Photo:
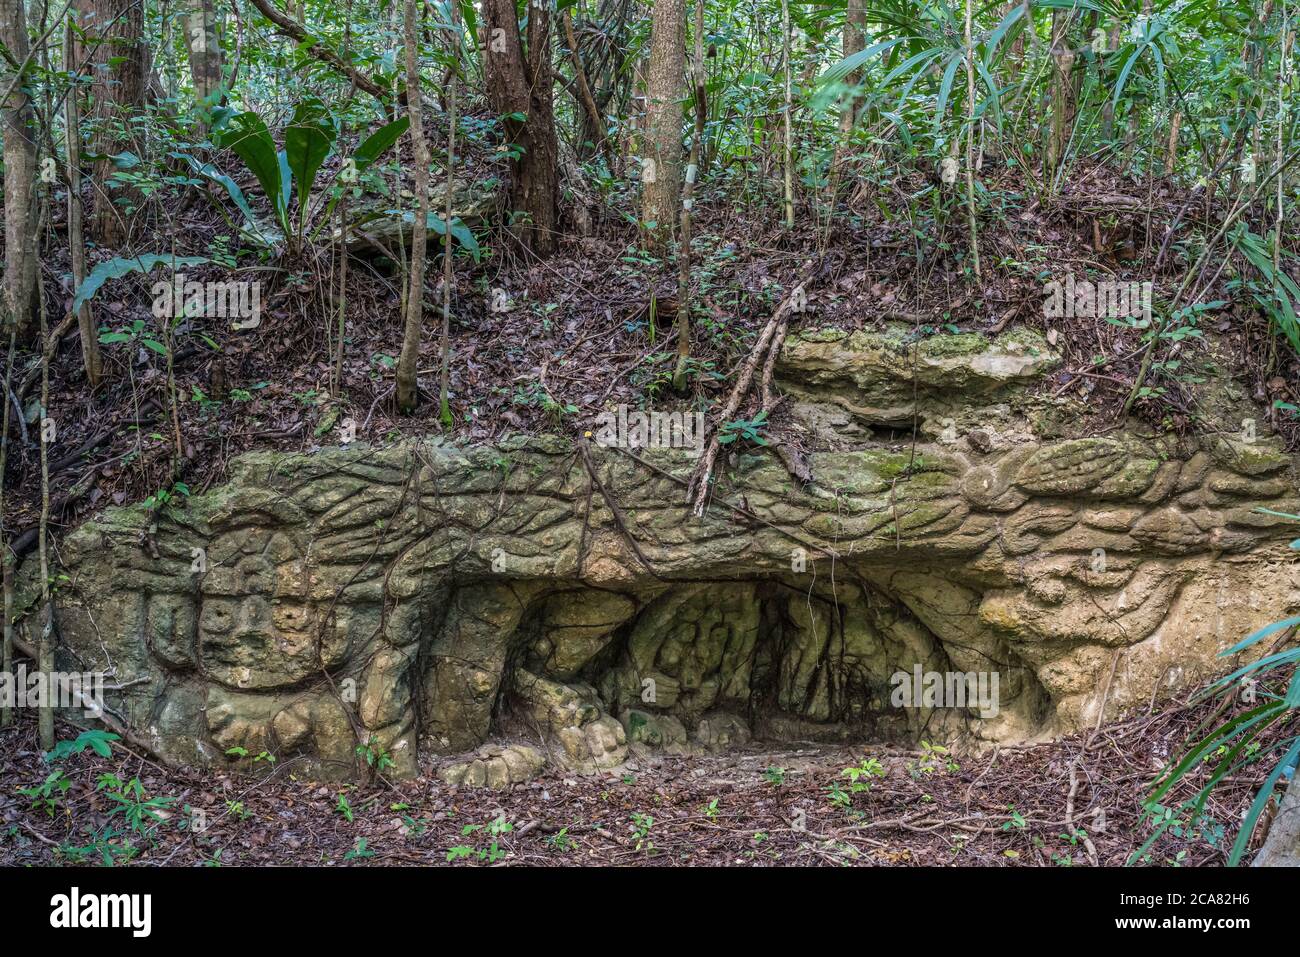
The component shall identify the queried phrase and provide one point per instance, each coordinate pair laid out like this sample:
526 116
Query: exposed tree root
766 351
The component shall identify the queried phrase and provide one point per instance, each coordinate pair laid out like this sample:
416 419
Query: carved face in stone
257 628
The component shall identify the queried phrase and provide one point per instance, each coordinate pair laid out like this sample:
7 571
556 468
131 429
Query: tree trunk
787 147
1130 143
407 394
1108 110
1171 149
114 53
1062 112
1283 85
855 41
17 121
76 232
665 87
45 642
444 348
592 123
521 84
6 554
970 142
203 40
683 321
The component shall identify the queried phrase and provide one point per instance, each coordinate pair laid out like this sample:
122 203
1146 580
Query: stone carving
496 767
424 597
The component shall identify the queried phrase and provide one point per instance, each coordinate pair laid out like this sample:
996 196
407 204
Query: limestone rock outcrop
424 597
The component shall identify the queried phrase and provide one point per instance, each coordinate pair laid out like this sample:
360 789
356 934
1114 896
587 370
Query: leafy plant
934 758
359 852
747 429
238 752
165 497
926 41
413 827
47 795
125 266
141 813
861 775
374 755
344 807
561 841
1280 295
1017 821
98 741
108 845
309 138
496 828
641 825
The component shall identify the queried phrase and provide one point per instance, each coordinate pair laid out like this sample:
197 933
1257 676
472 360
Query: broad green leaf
836 72
433 222
246 134
208 171
378 142
286 184
945 89
117 268
469 16
459 232
308 139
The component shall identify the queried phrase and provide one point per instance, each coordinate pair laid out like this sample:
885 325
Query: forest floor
590 328
1073 802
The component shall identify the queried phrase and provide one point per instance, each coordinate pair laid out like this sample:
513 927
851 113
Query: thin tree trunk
348 177
1062 65
116 56
787 147
444 375
407 393
662 171
1133 116
855 41
45 643
683 321
589 106
18 300
341 329
6 554
970 143
1018 46
203 40
1283 76
1108 109
1257 83
1171 149
76 233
